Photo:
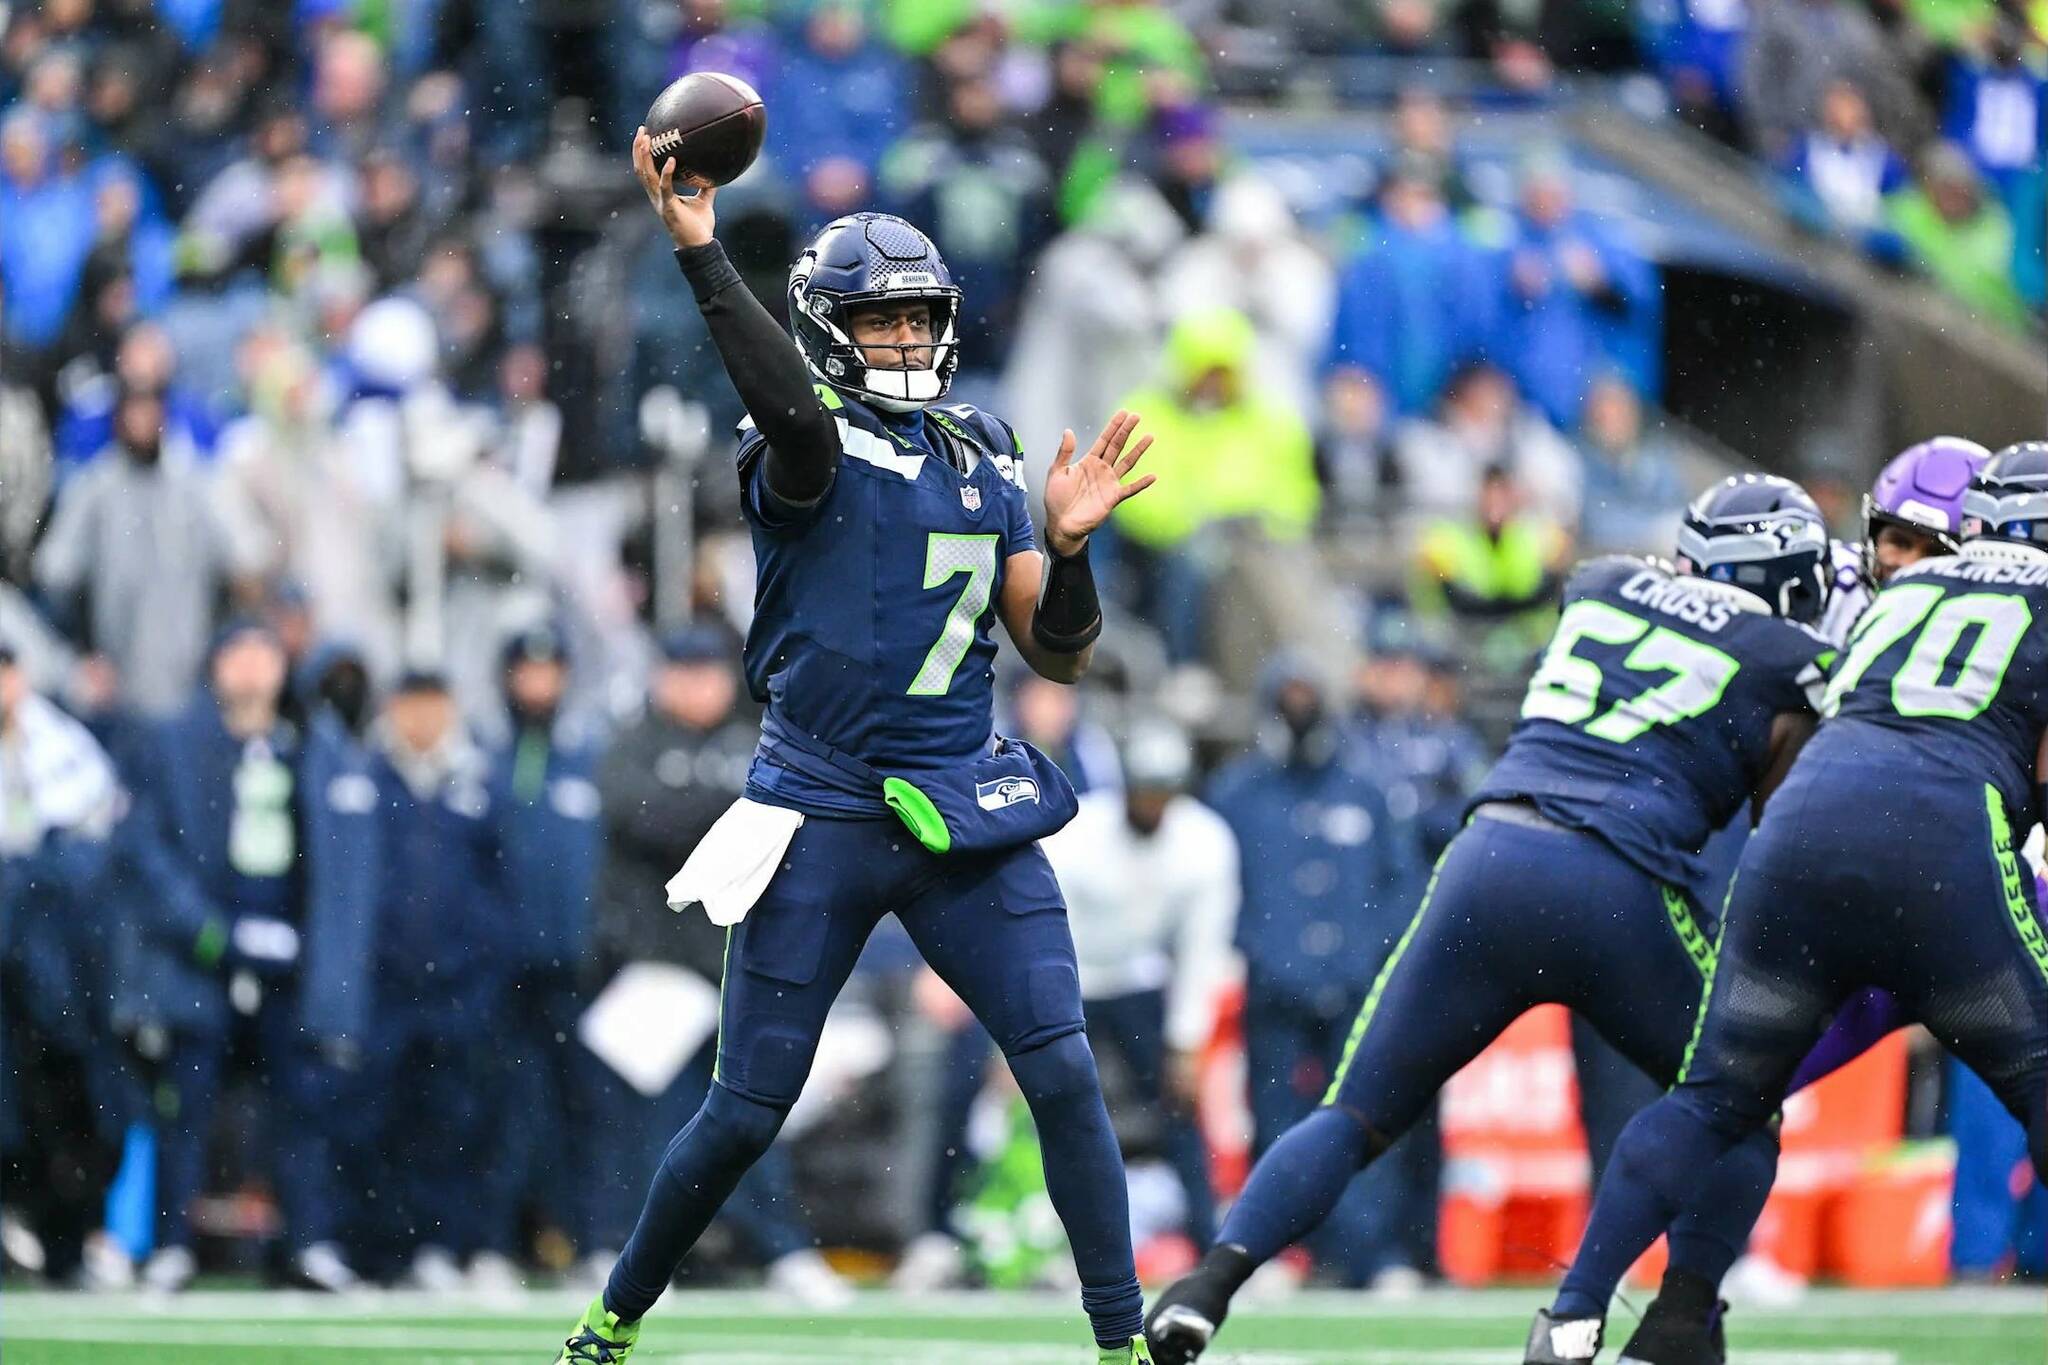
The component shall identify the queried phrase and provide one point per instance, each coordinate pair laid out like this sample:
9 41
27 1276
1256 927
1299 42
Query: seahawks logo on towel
1005 791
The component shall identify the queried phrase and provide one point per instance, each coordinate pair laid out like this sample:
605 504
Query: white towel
734 862
53 776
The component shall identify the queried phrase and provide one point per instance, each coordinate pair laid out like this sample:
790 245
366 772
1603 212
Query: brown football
711 123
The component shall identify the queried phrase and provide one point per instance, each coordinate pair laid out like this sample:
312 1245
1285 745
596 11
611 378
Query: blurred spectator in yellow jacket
1225 453
1496 574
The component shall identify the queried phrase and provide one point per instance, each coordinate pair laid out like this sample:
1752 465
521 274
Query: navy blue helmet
1762 534
867 258
2008 500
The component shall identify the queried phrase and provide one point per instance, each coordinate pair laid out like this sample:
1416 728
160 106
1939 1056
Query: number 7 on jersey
945 556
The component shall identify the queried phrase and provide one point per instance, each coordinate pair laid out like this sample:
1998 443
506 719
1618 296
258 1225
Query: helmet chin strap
913 388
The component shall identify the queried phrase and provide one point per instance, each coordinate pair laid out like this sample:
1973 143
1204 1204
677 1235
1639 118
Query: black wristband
707 270
1069 614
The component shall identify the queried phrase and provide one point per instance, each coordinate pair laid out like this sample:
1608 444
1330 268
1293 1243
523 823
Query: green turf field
1957 1327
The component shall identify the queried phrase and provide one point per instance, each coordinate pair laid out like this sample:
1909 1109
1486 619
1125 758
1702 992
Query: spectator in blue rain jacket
1995 107
1840 172
248 857
1441 760
443 953
545 797
1573 300
1329 858
849 97
1413 303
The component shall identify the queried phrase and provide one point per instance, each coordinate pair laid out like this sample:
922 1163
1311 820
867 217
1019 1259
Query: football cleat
1186 1317
600 1338
1667 1336
1133 1354
1562 1341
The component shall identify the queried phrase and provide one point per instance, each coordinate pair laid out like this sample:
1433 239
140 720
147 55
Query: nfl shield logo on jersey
970 498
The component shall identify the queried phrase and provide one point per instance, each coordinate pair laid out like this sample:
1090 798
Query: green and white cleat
600 1338
1137 1353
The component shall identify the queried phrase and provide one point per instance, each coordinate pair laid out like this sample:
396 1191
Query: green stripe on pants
2012 875
1699 1021
1691 937
724 969
1379 983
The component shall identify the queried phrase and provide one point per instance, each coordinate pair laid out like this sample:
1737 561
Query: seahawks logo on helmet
2008 500
870 258
1762 534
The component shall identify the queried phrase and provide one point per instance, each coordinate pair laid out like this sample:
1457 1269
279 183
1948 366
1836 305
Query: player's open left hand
1081 493
688 218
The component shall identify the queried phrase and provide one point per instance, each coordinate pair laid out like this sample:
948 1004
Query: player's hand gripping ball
711 124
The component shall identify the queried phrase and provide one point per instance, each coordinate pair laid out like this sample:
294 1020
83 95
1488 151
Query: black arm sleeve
770 375
1069 615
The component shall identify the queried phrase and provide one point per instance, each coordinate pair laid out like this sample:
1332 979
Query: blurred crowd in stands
352 710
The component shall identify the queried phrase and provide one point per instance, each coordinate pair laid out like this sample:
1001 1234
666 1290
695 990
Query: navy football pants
626 1133
1859 878
995 929
1860 875
1516 915
1386 1217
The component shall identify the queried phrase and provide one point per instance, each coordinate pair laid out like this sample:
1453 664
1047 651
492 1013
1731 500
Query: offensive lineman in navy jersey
1912 512
1664 703
890 533
1888 859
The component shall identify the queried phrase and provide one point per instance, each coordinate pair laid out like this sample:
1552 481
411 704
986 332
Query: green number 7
1567 688
944 556
1699 676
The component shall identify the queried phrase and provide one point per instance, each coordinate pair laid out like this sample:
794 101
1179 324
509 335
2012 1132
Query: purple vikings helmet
1922 489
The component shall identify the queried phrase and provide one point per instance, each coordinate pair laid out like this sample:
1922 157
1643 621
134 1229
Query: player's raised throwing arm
1049 604
766 367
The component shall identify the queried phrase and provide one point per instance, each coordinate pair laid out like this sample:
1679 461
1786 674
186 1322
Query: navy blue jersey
873 609
1648 722
1949 668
